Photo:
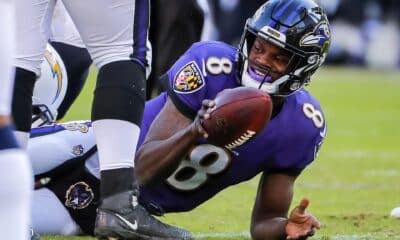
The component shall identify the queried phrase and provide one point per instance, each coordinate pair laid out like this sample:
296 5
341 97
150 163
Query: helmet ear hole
50 88
295 85
313 59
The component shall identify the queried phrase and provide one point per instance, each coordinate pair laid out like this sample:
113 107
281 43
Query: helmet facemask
42 115
268 83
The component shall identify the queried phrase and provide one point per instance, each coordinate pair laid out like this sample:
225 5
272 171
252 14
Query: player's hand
301 224
202 115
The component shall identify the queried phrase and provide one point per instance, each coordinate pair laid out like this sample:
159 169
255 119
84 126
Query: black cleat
121 217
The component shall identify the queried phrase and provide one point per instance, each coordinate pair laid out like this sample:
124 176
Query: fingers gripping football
235 116
202 115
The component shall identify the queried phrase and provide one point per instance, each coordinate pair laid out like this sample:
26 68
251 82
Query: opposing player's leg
67 42
15 172
121 51
32 31
15 185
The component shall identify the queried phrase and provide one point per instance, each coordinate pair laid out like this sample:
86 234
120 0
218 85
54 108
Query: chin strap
265 78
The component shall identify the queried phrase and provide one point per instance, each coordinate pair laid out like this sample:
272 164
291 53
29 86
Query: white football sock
116 143
15 194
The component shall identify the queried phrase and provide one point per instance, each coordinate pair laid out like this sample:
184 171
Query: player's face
267 61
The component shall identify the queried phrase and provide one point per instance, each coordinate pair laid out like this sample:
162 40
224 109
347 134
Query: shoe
34 235
121 217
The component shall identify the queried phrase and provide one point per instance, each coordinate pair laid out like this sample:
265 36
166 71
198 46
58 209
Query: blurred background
365 32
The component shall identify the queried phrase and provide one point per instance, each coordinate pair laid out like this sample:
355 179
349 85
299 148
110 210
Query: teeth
259 72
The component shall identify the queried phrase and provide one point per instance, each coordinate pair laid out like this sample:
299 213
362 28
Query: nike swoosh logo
133 226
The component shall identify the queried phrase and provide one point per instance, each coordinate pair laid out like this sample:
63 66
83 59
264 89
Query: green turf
353 184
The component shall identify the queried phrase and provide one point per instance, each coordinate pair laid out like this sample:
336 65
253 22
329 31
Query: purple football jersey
287 145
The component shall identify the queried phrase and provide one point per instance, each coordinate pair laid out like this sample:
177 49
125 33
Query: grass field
354 183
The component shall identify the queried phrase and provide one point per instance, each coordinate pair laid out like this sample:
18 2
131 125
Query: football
238 115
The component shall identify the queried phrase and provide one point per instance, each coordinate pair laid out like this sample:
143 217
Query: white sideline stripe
233 235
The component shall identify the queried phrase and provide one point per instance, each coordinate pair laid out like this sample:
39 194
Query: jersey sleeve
301 139
200 73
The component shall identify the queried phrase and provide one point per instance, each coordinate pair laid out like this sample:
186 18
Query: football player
66 52
282 46
116 36
15 171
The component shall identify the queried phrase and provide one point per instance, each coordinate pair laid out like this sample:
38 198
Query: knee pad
22 99
120 92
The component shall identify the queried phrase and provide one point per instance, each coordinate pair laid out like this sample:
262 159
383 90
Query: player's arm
170 137
269 217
